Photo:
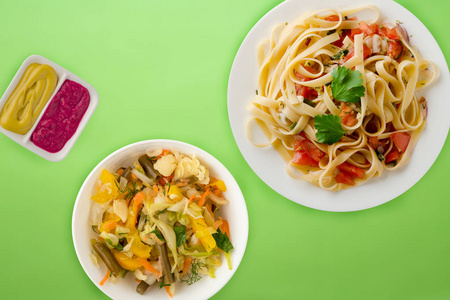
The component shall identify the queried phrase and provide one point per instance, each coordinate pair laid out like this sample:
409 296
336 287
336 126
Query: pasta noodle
301 67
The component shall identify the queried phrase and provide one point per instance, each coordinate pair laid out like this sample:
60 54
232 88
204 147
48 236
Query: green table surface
161 69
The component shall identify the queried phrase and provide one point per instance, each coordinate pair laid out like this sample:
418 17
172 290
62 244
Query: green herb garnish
118 246
347 85
162 283
293 126
158 235
130 192
340 54
95 229
180 232
222 241
193 276
329 129
309 102
161 212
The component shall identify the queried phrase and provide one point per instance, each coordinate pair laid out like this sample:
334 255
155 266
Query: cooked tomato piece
302 143
302 158
309 148
348 115
353 171
333 18
392 156
310 70
349 119
344 178
304 78
306 92
401 140
368 29
390 33
339 43
374 142
354 32
366 53
395 49
301 77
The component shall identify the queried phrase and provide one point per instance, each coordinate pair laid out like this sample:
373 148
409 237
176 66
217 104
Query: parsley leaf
180 232
329 129
222 241
347 85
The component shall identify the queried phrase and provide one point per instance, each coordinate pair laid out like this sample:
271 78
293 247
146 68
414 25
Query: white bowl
63 74
235 212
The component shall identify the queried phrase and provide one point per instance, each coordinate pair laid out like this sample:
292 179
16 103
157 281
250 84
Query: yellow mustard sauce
26 102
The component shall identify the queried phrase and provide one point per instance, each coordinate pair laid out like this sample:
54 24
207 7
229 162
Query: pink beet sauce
62 117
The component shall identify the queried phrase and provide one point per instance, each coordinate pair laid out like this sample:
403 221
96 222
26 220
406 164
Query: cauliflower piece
166 164
190 166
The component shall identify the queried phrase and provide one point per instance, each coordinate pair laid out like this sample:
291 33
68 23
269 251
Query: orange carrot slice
105 278
148 266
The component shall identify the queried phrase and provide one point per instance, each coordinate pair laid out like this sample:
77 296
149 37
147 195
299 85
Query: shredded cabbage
164 222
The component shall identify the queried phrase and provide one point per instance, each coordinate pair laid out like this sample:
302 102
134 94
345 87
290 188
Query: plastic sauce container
63 117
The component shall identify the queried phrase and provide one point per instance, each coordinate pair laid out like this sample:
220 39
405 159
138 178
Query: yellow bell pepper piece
125 262
175 190
139 248
134 207
220 185
203 233
109 223
108 190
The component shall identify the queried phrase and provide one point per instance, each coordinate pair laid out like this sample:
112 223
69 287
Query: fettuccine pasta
338 97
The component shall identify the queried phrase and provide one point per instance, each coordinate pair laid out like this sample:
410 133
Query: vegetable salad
159 220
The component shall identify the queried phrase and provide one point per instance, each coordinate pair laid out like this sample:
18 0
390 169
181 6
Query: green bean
162 249
107 257
147 165
126 173
142 287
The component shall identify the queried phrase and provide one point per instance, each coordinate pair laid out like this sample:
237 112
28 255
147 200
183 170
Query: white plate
268 164
63 74
235 212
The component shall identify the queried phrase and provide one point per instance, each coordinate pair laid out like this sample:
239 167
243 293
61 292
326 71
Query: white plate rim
270 167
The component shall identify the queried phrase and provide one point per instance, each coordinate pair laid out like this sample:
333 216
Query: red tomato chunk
351 170
392 156
395 49
345 179
302 158
401 140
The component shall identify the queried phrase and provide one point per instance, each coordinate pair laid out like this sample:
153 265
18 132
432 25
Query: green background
161 69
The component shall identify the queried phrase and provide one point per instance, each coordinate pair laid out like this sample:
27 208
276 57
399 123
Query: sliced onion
402 31
142 177
217 200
